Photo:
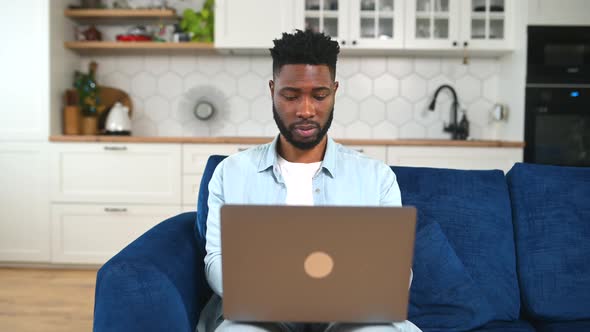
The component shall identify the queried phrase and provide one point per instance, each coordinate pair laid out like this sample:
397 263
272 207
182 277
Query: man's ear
336 84
271 85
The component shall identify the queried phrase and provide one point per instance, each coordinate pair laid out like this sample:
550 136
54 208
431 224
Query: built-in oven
557 124
558 54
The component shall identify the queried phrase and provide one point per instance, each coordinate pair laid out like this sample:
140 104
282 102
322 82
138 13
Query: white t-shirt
298 179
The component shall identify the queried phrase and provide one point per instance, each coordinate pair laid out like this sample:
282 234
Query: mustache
304 123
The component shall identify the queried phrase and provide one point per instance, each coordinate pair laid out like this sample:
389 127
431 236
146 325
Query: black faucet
458 130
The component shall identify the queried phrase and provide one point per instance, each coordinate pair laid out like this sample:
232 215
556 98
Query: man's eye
321 97
290 98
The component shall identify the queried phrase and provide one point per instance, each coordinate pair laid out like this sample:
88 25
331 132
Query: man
302 166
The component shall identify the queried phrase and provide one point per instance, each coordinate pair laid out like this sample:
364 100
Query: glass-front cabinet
432 24
488 23
356 23
450 24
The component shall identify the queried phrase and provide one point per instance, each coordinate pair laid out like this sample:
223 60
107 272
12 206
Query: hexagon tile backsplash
379 97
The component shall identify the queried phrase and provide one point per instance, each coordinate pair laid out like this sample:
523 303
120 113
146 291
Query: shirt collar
269 157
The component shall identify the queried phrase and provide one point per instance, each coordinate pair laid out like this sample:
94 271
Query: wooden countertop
262 140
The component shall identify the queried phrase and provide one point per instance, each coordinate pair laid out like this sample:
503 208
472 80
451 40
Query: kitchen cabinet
457 24
93 233
24 101
251 23
194 160
454 157
106 195
24 203
355 24
116 173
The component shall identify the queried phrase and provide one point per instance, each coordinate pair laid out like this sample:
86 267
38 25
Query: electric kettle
118 121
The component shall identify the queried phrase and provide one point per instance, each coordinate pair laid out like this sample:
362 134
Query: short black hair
304 47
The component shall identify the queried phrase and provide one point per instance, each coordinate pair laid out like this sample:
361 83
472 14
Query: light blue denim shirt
345 177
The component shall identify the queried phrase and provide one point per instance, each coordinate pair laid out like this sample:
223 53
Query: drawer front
195 156
92 234
375 152
456 158
190 189
116 173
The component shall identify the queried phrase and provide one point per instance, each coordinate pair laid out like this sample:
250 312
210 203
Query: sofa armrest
156 283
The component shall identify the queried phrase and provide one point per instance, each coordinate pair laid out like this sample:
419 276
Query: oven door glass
562 139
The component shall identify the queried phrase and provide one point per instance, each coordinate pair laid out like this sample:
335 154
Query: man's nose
306 109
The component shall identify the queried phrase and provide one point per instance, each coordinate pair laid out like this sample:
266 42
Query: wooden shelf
121 13
113 45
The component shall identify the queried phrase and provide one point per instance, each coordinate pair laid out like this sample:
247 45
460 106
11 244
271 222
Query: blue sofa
493 253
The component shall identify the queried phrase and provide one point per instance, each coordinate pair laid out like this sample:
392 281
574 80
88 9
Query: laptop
316 263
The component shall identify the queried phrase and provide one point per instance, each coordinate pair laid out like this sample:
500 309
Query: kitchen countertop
262 140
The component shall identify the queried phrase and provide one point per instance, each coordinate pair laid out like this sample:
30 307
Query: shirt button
317 190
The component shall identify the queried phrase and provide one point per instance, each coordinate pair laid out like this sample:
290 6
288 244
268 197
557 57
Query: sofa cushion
473 210
202 206
571 326
551 207
444 297
500 326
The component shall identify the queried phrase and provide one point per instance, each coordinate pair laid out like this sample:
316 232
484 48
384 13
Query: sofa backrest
202 207
464 255
551 207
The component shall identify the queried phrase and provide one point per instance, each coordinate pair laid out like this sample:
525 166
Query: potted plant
199 25
88 98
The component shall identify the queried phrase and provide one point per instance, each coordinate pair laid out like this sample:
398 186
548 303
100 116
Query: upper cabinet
487 24
407 25
457 24
356 23
251 24
432 24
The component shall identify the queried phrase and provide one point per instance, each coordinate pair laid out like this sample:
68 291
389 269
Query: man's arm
213 236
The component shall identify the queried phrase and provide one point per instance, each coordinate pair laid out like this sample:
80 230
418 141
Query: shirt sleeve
390 193
213 236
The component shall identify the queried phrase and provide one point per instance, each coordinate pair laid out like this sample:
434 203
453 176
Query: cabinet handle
465 44
115 148
354 42
343 42
360 150
455 43
115 209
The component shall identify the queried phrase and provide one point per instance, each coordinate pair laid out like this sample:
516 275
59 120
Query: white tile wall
379 97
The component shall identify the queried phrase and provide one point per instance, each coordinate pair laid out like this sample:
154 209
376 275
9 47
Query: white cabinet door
116 173
328 16
195 158
24 203
251 23
455 157
375 152
355 24
24 87
432 24
92 234
487 24
376 23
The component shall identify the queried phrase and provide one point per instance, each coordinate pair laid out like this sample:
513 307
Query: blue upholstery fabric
202 206
498 326
551 207
157 283
444 297
571 326
473 211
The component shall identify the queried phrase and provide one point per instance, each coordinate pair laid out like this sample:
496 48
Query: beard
306 143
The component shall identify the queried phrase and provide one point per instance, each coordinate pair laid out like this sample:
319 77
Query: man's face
303 103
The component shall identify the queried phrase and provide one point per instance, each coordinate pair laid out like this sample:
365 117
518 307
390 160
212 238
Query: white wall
559 12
